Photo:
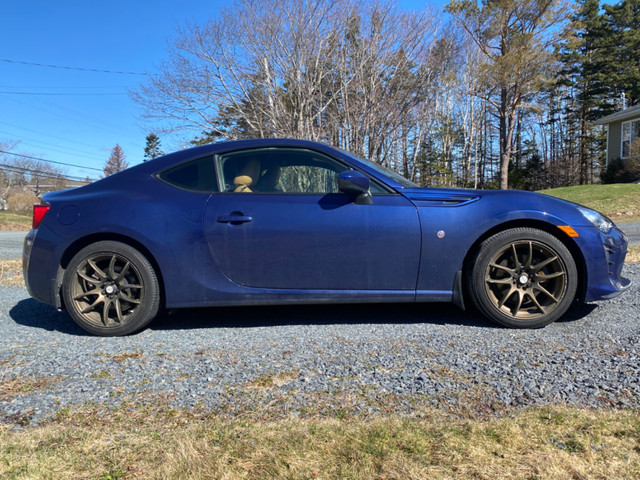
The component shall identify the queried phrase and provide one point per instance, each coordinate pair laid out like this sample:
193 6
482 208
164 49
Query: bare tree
20 172
116 162
355 74
515 38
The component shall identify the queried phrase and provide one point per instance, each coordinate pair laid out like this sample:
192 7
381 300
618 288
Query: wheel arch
549 228
83 242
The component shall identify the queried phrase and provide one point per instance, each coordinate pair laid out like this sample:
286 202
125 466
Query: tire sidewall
145 312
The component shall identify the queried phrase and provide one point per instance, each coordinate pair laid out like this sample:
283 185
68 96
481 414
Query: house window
630 131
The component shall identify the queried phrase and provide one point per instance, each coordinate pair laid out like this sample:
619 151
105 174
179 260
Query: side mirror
355 184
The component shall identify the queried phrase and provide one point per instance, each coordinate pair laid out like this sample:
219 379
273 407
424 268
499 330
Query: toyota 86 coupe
275 221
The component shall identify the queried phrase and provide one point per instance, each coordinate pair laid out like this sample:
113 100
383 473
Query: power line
41 134
55 94
81 69
55 147
74 116
49 161
39 173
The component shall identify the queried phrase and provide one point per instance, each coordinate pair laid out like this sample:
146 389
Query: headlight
599 221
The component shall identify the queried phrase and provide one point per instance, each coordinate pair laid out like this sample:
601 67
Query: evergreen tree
152 149
116 162
624 23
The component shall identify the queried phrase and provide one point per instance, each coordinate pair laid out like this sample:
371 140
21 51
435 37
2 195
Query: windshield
385 171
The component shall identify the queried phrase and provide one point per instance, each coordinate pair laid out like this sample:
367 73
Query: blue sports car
276 221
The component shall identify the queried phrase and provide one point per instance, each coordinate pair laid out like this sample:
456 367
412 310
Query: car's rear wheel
523 278
110 288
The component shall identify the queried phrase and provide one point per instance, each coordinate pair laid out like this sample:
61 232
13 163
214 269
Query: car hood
502 201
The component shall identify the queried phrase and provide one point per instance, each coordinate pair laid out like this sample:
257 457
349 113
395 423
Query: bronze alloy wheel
107 290
526 279
110 288
523 278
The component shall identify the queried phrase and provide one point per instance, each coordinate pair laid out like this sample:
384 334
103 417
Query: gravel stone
362 360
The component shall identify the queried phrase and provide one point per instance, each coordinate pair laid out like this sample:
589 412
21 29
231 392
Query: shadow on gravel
577 312
34 314
31 313
352 314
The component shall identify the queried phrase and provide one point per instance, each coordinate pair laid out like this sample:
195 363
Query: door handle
234 219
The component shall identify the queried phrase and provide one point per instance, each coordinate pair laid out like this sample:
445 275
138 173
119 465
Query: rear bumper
39 268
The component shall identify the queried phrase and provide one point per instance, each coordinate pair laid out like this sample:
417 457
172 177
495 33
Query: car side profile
276 221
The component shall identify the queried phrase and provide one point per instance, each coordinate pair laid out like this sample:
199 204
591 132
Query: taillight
39 211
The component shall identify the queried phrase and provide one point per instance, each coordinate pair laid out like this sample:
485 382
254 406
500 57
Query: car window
281 170
197 175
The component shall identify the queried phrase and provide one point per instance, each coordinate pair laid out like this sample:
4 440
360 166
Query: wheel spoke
99 272
537 303
88 278
541 265
128 299
93 306
527 264
515 256
518 305
95 291
123 272
119 317
541 289
502 267
506 297
500 281
105 311
541 277
112 268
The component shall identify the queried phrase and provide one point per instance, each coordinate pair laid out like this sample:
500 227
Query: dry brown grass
634 254
11 271
136 442
15 222
10 387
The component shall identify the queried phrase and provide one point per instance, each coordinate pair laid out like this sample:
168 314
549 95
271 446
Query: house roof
629 113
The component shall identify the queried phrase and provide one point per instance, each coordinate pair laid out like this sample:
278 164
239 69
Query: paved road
11 244
632 230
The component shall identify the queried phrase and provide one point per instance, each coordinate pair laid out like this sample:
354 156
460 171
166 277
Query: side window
197 175
281 170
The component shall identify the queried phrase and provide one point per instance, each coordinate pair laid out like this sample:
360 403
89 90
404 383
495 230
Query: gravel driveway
361 360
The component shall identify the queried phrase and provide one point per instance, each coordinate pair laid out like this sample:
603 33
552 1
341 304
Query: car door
281 222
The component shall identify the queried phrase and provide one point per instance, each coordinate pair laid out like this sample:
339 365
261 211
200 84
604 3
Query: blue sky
77 116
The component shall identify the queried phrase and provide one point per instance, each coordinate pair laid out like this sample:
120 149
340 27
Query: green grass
136 441
14 221
620 202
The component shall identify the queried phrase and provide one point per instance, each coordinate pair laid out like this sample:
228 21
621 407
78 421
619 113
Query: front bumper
604 256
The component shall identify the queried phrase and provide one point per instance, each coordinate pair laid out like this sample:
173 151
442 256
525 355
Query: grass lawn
620 202
14 221
143 442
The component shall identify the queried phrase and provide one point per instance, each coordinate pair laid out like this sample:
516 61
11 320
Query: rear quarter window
197 175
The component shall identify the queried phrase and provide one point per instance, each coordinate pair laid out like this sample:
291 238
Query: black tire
522 278
111 289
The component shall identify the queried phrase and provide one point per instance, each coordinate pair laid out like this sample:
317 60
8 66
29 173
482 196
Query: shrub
624 171
22 202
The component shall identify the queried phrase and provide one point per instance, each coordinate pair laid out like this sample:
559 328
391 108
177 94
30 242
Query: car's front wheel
110 288
523 278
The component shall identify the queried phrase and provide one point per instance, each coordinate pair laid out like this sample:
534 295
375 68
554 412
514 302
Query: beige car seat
247 176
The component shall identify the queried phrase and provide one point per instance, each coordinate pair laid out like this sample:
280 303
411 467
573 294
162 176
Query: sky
66 68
